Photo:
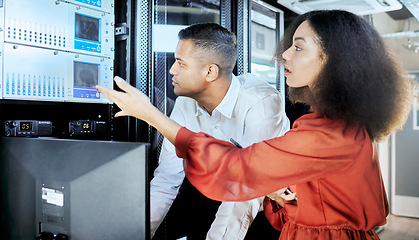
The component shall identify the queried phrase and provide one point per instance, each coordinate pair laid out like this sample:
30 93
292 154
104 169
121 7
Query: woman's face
304 59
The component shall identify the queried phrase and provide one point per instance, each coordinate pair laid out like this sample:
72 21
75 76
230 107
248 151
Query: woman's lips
287 72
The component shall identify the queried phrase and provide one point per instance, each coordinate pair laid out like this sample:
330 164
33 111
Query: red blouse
334 167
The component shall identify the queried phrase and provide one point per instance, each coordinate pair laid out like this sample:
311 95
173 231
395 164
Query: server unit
56 50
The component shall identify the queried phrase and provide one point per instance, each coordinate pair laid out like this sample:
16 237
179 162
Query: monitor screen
83 189
87 28
86 75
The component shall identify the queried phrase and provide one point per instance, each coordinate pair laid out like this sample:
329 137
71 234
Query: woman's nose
286 54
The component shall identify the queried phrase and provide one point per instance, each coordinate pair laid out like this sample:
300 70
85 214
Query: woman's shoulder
334 128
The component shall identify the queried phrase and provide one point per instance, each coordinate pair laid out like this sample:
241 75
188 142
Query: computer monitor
83 189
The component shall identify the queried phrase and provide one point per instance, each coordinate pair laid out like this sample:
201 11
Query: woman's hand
280 195
133 102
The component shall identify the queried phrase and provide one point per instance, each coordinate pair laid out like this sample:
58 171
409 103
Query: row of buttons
40 38
25 133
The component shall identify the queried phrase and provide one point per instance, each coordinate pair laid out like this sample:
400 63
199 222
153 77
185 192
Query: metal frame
160 77
225 14
280 78
143 56
280 82
143 50
243 36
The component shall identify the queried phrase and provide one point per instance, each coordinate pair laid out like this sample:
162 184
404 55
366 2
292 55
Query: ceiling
388 24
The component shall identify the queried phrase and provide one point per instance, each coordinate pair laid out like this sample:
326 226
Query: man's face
188 71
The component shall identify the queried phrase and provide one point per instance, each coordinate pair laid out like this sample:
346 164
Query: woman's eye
297 48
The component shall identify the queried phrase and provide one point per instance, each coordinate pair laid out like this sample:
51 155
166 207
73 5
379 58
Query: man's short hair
214 44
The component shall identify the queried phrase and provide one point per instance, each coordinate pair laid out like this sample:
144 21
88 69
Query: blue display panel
87 33
99 5
61 26
95 3
86 75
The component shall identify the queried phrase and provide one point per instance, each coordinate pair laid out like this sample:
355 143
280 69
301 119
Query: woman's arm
133 102
316 147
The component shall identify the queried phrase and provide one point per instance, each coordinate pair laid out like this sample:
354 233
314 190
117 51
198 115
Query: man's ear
213 72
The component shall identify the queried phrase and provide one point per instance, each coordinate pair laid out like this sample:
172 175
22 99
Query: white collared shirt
250 112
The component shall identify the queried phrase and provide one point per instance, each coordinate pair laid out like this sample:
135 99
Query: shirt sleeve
313 149
168 177
264 120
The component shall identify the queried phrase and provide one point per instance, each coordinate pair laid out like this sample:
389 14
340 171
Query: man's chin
177 93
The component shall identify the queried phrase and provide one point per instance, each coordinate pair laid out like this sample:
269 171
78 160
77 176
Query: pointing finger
120 114
104 90
122 84
113 95
109 93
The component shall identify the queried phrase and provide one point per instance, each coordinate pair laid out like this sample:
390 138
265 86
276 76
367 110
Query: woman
336 63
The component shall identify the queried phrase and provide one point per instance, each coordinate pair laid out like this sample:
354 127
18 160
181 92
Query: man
212 100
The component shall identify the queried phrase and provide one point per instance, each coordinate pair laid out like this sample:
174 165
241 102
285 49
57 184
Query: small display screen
87 28
86 74
86 126
25 126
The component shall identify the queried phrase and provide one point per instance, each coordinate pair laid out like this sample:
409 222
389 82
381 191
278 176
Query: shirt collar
226 106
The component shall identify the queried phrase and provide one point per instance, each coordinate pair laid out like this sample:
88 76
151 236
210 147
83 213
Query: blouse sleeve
311 150
275 214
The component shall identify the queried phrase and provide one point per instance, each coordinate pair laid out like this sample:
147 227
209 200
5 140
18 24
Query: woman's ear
213 72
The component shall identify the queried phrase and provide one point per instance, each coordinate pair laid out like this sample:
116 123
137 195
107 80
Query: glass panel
264 32
174 12
170 17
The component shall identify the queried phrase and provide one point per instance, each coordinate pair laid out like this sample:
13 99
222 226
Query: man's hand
280 195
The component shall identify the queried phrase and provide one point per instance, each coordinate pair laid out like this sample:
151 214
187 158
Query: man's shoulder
254 86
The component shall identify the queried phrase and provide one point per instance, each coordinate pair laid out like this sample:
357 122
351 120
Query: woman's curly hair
360 82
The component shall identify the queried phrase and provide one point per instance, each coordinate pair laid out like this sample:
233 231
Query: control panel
27 128
86 128
56 50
